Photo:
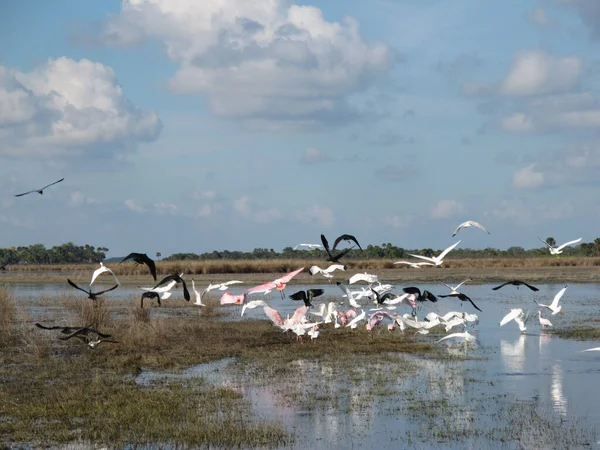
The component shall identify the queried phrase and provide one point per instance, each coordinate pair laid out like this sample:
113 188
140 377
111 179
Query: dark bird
307 296
421 297
330 256
347 238
39 191
63 330
142 258
516 283
92 295
3 266
90 336
178 279
150 295
462 297
382 298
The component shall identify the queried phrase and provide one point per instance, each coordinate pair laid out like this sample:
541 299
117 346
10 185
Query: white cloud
537 72
266 61
242 205
267 215
165 208
205 211
134 206
445 209
66 107
528 177
313 155
245 207
77 198
323 215
395 222
539 17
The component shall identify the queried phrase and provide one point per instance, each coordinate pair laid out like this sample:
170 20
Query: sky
187 126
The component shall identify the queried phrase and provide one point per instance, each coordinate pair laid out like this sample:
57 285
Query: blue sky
185 126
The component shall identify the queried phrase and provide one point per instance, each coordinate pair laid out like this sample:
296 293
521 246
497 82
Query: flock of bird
374 304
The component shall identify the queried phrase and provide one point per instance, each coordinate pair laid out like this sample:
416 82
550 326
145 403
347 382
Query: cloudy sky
188 126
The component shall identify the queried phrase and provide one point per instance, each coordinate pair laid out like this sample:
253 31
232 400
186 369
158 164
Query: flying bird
142 258
279 284
466 336
347 238
558 250
154 294
90 336
366 277
415 265
454 289
92 295
437 260
307 296
470 223
326 272
63 330
330 256
518 316
554 307
177 279
101 270
462 297
420 296
516 283
309 246
39 191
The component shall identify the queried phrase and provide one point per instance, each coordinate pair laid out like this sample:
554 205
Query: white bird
595 349
363 277
518 316
198 301
253 304
415 265
437 260
454 322
349 295
554 305
454 290
310 246
326 272
354 322
544 322
313 333
220 286
470 223
101 270
466 336
162 289
558 250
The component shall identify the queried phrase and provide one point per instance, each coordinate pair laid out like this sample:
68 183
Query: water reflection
513 354
556 390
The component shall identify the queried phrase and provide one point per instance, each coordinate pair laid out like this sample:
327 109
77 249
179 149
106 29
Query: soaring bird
421 296
454 289
470 223
39 191
462 297
90 336
437 260
366 277
307 296
554 307
142 258
92 295
309 246
347 238
516 283
101 270
330 256
558 250
177 279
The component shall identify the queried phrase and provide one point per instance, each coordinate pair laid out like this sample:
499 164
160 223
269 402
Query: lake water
535 368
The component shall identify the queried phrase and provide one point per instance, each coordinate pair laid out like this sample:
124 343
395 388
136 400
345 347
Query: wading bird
177 279
543 322
558 250
466 336
470 223
92 295
142 258
330 256
518 316
554 307
198 295
516 283
437 260
101 270
39 191
307 296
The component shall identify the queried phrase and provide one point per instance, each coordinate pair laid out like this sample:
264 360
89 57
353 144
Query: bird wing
25 193
474 305
312 293
481 227
186 293
315 269
460 284
533 288
557 298
547 245
287 277
429 296
333 267
262 288
445 252
325 243
107 290
459 227
456 335
51 184
566 244
273 316
345 237
77 287
502 285
377 297
196 293
300 295
39 325
164 280
97 272
426 258
412 290
131 255
343 252
151 265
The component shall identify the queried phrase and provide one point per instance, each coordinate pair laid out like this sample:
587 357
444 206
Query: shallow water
541 370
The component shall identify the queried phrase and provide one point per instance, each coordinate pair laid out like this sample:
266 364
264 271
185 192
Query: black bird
3 266
142 258
151 295
382 298
345 237
63 330
307 296
421 297
39 191
178 279
462 297
516 283
331 257
92 295
90 336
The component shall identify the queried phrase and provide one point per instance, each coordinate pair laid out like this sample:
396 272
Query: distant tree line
68 253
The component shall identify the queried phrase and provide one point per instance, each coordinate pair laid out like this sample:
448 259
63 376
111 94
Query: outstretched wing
501 286
300 295
557 298
474 305
566 244
481 227
287 277
312 293
445 252
151 265
131 255
458 228
51 184
77 287
345 237
24 193
547 245
533 288
412 290
325 243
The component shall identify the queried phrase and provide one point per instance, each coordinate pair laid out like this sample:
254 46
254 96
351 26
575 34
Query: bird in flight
177 279
420 296
470 223
347 238
554 306
90 336
415 265
63 330
92 295
558 250
142 258
519 316
437 260
309 246
307 296
101 270
39 191
330 256
462 297
516 283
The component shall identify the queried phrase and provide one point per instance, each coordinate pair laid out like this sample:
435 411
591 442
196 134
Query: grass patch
579 333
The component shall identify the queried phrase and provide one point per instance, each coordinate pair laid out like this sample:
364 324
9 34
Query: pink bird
544 322
279 284
229 299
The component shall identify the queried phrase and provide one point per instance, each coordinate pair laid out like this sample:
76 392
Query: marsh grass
579 333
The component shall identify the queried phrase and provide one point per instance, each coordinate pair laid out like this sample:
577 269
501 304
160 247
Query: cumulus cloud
395 221
313 155
528 177
267 61
67 108
445 209
322 215
246 208
134 206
